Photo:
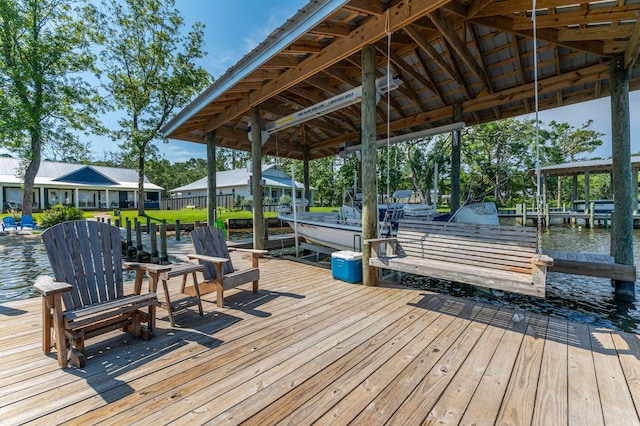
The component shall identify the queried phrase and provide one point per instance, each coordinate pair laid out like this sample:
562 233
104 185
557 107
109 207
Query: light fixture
335 103
412 136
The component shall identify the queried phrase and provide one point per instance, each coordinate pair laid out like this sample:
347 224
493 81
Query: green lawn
183 215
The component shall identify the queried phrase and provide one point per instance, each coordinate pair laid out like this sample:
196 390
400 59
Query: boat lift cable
538 179
387 215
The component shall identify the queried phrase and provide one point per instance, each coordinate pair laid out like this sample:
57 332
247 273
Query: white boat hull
326 231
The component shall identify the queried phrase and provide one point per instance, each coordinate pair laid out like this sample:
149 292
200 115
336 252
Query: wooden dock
590 264
309 349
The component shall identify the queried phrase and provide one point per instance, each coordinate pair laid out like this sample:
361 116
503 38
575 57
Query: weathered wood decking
310 349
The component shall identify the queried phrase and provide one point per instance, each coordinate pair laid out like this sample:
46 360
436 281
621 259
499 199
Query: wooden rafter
370 32
633 50
459 46
613 14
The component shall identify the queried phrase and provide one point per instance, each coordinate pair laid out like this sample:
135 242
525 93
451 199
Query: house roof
239 177
475 55
579 167
75 175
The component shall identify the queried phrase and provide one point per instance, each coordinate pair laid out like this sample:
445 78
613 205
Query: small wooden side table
170 271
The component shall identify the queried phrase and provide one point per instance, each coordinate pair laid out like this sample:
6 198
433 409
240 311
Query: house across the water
86 187
236 185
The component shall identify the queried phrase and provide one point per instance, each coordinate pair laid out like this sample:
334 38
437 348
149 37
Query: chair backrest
87 255
9 221
27 220
210 241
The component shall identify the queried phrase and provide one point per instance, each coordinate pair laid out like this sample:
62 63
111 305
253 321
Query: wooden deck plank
584 400
626 346
415 408
307 347
316 375
453 402
519 399
487 399
551 397
617 402
361 362
192 365
210 374
390 384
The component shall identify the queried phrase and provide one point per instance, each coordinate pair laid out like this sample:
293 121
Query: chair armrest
46 286
149 267
542 259
254 251
208 258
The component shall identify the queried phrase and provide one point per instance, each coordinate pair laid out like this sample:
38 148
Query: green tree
150 67
497 155
43 51
566 142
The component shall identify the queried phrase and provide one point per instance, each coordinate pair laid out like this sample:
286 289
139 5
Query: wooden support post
574 190
305 173
138 240
148 225
164 256
177 229
622 217
592 214
524 214
547 216
212 201
519 214
256 178
455 161
559 203
129 239
587 195
369 161
634 189
154 243
196 224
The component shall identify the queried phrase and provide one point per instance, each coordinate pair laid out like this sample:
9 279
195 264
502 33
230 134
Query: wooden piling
138 241
164 257
154 243
177 230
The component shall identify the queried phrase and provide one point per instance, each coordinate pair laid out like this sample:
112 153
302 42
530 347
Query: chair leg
196 288
255 286
167 300
219 285
47 302
77 349
58 327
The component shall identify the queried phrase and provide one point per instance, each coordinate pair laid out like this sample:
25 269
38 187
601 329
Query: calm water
582 299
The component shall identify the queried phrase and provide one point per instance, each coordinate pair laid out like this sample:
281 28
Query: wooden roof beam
373 29
633 50
331 29
425 45
547 34
520 93
460 47
280 62
364 6
304 46
509 7
609 14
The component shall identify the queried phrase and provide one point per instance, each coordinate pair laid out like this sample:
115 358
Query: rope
538 180
387 215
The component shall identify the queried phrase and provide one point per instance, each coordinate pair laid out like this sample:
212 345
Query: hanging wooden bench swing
496 257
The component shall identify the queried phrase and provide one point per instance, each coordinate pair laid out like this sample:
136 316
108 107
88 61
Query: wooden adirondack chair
219 275
86 298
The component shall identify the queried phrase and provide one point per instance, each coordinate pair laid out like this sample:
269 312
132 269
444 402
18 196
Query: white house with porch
238 183
84 186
